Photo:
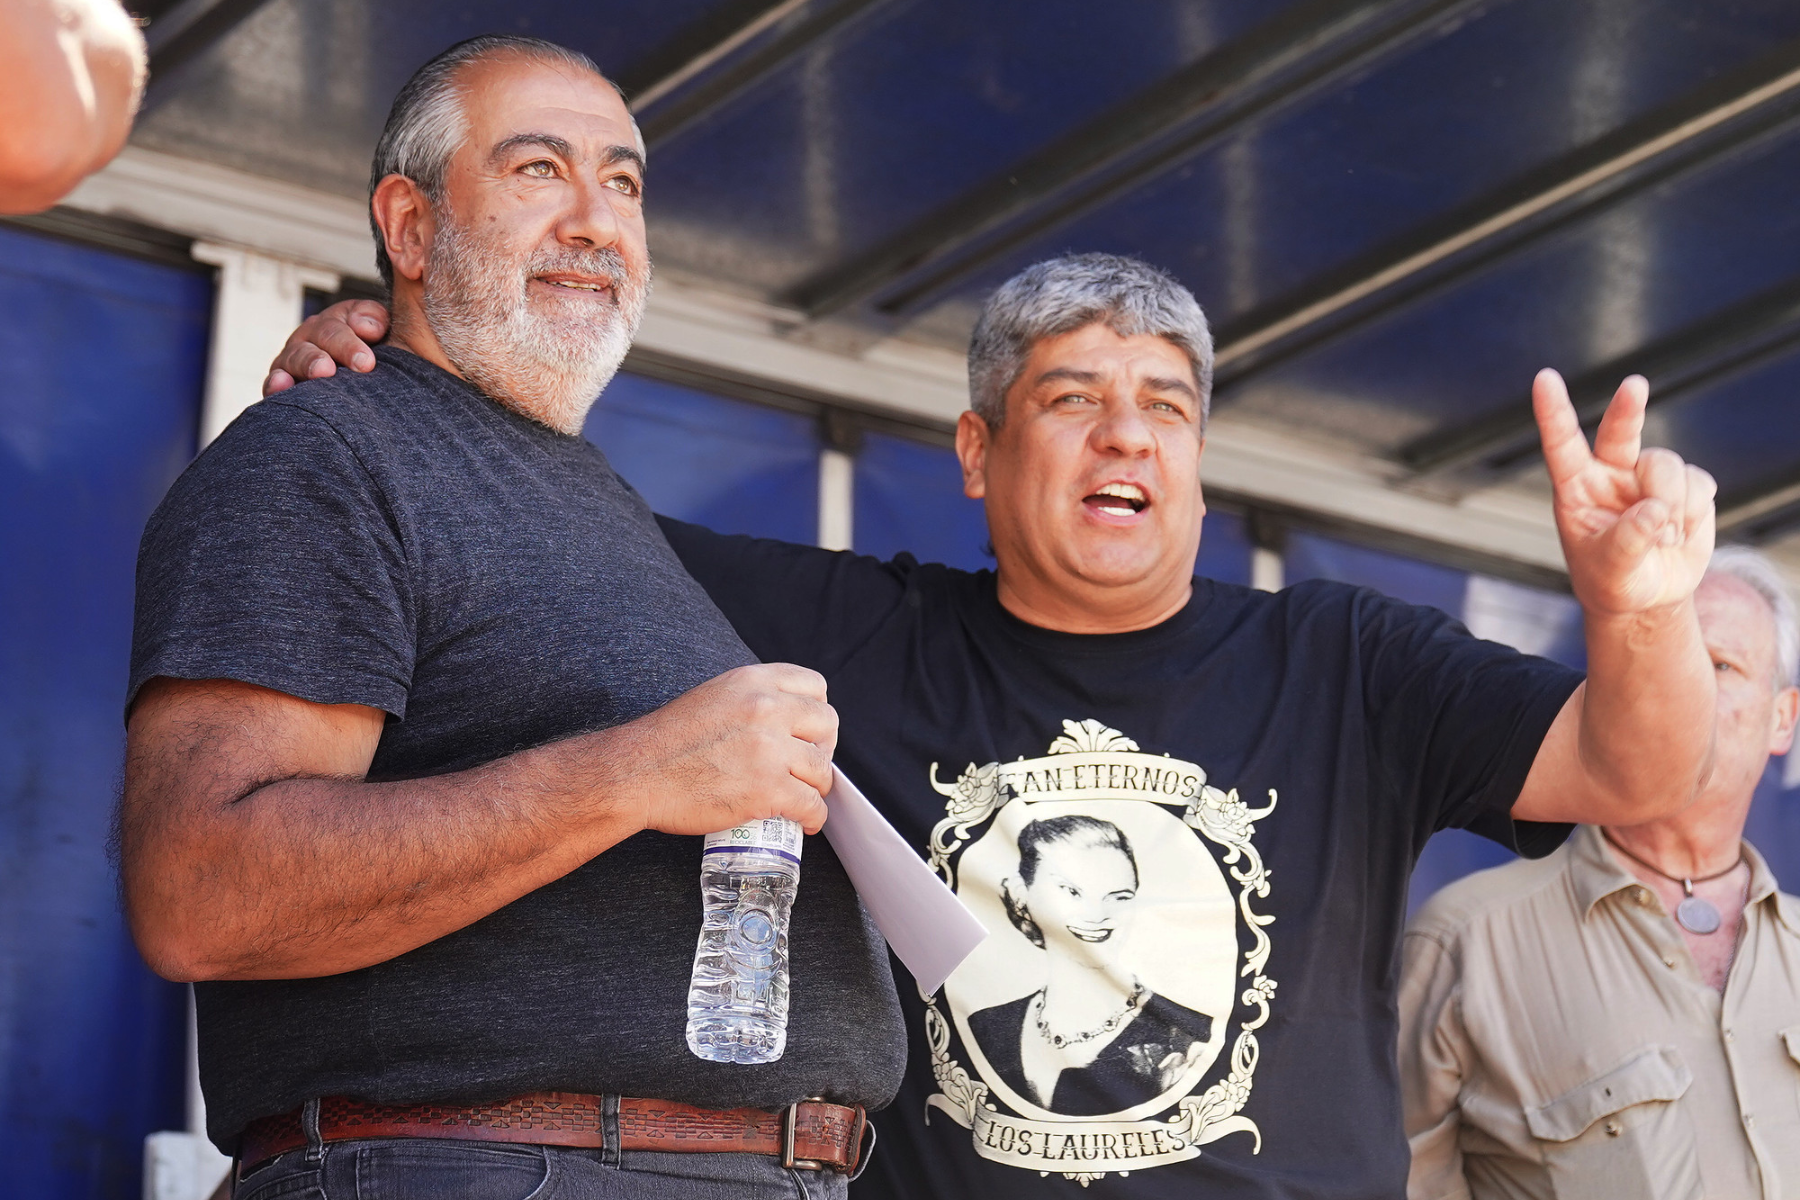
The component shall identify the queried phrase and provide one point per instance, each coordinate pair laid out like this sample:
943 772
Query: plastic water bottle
738 998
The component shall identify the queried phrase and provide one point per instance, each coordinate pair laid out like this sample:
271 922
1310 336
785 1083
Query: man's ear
1787 710
1200 492
972 439
403 214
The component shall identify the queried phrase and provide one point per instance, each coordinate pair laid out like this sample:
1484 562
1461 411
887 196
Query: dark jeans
432 1169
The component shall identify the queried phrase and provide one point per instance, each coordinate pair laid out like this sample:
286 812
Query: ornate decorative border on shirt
972 800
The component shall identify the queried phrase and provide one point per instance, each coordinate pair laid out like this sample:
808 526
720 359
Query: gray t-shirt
399 540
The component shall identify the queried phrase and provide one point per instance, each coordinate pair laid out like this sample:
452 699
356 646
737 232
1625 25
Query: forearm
71 72
252 846
309 877
1646 714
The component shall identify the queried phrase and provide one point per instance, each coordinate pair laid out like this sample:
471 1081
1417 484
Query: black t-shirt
1190 845
397 540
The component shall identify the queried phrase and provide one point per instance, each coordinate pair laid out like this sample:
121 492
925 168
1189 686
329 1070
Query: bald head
1754 575
1756 703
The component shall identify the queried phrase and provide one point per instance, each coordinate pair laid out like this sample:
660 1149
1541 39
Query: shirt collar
1764 886
1593 870
1597 872
1762 880
1788 908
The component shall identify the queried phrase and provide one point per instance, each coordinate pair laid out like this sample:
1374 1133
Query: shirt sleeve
1432 1052
276 560
1456 722
792 603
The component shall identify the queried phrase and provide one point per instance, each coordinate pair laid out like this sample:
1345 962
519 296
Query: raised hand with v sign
1636 524
1635 742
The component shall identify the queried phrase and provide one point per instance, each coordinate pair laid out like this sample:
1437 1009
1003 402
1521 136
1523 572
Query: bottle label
775 835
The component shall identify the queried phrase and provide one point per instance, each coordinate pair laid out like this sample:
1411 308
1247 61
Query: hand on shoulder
340 335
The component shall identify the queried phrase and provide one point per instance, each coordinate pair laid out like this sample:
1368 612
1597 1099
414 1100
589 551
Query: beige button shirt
1557 1041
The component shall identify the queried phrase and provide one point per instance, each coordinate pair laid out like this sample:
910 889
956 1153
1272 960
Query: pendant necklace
1695 913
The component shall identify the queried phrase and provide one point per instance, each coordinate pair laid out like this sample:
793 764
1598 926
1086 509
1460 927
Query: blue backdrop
909 497
734 467
99 404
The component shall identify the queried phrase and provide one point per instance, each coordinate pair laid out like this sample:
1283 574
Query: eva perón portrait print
1114 885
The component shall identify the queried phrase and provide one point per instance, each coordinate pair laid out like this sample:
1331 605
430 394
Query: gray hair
1064 294
1758 574
426 125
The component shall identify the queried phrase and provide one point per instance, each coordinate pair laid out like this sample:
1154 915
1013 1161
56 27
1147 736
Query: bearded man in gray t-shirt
425 718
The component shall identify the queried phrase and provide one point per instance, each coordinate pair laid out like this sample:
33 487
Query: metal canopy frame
1721 346
183 32
1293 56
662 119
1764 510
1732 115
707 41
1288 60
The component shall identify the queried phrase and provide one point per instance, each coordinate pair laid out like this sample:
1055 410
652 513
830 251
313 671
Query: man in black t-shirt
1187 811
425 718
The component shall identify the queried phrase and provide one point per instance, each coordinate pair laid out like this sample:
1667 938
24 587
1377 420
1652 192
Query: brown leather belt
811 1135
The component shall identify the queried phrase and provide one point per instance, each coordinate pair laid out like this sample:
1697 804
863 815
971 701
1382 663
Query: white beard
548 366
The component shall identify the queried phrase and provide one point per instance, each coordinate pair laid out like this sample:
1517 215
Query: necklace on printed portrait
1062 1040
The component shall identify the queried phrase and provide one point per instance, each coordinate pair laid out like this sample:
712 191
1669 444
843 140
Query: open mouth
1118 500
1091 934
566 283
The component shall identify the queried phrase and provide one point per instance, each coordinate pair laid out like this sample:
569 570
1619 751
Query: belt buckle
789 1118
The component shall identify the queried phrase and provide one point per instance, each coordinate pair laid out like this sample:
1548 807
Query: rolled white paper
927 927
